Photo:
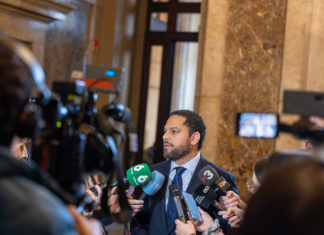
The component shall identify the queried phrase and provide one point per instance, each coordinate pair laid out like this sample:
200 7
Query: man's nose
165 136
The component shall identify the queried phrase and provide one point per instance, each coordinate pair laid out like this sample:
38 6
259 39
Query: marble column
240 70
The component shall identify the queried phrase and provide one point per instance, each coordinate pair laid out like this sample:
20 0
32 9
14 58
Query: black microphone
114 184
211 189
95 191
209 176
206 197
176 198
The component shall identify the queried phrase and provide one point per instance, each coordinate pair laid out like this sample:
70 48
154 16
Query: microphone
152 187
222 184
136 175
95 191
211 189
176 198
119 112
205 197
209 176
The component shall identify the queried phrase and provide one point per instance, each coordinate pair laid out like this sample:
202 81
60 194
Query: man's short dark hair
194 122
15 87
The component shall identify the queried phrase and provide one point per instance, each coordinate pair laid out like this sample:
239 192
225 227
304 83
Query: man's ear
195 137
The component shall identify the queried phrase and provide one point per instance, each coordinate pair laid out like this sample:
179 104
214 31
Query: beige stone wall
303 60
54 31
240 70
59 33
250 52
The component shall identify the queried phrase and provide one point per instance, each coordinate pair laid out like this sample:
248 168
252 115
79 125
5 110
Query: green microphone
139 174
136 175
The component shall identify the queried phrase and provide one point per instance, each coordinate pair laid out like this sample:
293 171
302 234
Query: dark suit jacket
152 218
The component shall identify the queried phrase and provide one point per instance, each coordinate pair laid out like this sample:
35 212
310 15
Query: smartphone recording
257 125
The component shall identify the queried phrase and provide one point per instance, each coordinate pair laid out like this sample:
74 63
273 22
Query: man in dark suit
184 133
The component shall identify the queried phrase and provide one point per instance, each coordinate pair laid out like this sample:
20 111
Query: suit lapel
195 182
166 172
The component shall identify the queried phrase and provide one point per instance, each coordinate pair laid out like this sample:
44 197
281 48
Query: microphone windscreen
208 175
139 174
176 199
174 191
127 115
223 184
201 197
206 197
155 185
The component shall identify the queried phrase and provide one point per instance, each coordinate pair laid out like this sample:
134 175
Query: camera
77 139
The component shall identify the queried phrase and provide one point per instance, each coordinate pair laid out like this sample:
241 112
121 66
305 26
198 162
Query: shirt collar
191 165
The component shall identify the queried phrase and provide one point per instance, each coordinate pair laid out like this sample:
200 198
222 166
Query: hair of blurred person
264 166
289 201
15 88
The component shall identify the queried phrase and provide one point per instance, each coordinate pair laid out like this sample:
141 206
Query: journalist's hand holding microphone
192 226
232 200
95 198
234 209
113 202
137 175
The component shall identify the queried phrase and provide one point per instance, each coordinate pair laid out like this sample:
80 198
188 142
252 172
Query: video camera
267 125
76 139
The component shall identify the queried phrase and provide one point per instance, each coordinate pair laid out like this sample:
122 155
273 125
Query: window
169 68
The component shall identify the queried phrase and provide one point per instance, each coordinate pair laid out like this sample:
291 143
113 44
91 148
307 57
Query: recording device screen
257 125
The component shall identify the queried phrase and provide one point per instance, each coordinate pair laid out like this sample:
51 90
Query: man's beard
177 152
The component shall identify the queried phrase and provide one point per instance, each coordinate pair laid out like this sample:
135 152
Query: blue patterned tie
171 211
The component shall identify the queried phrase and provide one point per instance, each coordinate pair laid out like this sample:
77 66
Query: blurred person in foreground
289 201
27 207
263 167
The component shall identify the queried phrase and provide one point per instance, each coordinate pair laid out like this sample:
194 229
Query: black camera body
77 139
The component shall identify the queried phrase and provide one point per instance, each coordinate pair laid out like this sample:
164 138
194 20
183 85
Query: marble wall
66 42
240 71
53 30
303 60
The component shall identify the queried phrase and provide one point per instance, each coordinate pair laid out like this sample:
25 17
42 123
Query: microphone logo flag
139 174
